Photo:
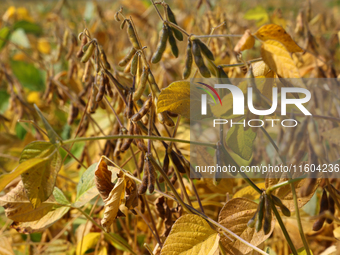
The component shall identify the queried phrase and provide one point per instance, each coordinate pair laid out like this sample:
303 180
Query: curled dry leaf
112 203
279 59
235 215
277 33
191 234
246 42
103 179
285 192
18 207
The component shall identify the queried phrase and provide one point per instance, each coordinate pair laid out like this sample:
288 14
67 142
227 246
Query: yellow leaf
34 97
277 33
246 42
18 208
89 241
44 46
234 216
112 203
175 98
276 56
260 69
249 192
259 14
22 14
5 246
191 235
9 14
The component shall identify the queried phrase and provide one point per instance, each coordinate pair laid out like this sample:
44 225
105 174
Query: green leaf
4 35
39 181
60 197
241 141
4 100
20 131
28 75
52 135
28 27
259 14
302 251
86 188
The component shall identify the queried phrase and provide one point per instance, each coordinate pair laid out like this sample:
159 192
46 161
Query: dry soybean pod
144 185
331 205
142 85
87 71
277 201
92 104
74 110
251 222
108 86
128 57
172 42
72 46
88 53
101 88
259 218
151 175
153 85
132 35
166 163
171 16
268 215
65 38
143 110
205 50
176 162
127 142
129 108
134 65
196 51
188 61
161 45
122 25
80 52
104 58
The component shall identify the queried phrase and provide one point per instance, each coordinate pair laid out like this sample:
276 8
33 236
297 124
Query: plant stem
241 64
305 243
193 37
298 219
159 138
284 230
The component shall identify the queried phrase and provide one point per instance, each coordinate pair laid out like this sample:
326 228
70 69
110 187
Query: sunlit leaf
249 192
112 203
89 241
4 35
246 42
259 14
241 141
234 216
18 207
276 56
86 188
277 33
20 169
39 181
48 219
191 234
103 179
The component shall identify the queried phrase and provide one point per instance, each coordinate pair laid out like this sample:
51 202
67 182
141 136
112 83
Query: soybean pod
161 45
